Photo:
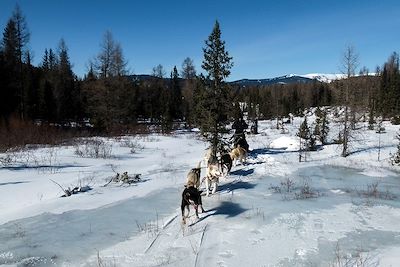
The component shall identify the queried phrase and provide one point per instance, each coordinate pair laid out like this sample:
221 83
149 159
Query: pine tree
45 61
321 129
304 133
9 90
215 101
66 95
395 159
22 40
304 130
176 105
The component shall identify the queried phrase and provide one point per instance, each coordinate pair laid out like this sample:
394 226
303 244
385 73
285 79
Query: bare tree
105 57
158 71
349 64
110 61
118 62
188 69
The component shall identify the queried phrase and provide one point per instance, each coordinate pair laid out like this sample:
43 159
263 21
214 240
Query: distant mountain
324 77
286 79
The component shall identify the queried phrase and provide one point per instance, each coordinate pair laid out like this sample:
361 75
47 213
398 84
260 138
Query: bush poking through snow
93 148
357 259
287 184
290 191
133 144
306 191
373 191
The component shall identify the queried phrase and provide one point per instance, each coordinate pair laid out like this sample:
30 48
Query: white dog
212 176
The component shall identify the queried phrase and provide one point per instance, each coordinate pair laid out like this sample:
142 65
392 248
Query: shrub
93 148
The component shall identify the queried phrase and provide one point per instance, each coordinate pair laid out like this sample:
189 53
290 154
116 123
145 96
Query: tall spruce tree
22 40
176 105
304 133
321 129
395 158
215 101
10 70
67 97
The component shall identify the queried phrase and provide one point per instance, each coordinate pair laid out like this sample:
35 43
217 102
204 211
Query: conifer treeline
108 96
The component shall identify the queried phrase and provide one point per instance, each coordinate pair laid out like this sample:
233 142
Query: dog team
217 166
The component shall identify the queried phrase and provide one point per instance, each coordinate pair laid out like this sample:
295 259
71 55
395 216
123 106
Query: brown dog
238 153
193 177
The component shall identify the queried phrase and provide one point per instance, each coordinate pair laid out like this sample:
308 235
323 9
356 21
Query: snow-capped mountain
291 78
286 79
323 77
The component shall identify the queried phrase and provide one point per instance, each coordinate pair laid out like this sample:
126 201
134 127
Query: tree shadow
34 167
236 185
268 151
10 183
243 172
368 149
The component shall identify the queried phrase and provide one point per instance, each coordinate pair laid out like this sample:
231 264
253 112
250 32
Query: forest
49 102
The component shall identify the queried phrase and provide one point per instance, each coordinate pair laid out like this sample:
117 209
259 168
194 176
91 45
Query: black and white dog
225 164
191 196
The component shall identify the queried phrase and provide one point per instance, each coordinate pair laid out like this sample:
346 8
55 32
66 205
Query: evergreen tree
10 70
304 130
176 105
216 101
304 133
53 62
66 95
395 159
22 40
45 61
321 129
389 98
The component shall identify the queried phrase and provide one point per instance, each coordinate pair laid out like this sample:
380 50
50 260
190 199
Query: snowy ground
271 211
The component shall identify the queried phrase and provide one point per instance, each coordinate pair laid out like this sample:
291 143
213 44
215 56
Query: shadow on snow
10 183
229 209
243 172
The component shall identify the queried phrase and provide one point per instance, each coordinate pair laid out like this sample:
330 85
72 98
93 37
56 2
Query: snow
285 143
324 77
252 220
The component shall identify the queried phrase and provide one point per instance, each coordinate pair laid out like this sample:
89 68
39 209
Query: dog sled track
166 224
201 242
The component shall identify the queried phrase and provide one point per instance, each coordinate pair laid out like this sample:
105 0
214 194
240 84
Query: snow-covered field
271 211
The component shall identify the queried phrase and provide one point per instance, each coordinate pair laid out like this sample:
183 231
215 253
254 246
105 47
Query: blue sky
265 38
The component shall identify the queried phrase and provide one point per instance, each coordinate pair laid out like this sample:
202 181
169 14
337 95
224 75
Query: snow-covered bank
272 211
